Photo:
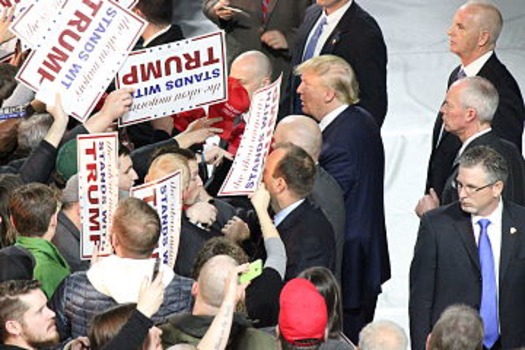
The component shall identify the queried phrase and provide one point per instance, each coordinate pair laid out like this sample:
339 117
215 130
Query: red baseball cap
303 314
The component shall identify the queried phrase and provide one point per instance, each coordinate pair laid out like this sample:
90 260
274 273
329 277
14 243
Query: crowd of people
316 219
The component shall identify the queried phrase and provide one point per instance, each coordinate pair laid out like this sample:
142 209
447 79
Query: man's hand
60 120
164 124
275 39
5 22
117 103
222 12
203 213
214 155
197 132
236 230
260 198
151 295
79 343
427 202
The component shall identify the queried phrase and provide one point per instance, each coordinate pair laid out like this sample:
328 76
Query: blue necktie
460 74
310 48
489 301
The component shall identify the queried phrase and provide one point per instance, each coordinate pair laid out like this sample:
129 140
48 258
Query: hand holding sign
5 22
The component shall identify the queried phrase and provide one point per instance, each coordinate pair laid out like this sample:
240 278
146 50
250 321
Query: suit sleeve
422 283
207 9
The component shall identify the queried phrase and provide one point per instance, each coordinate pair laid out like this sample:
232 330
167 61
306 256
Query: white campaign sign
165 196
247 168
80 57
97 156
175 77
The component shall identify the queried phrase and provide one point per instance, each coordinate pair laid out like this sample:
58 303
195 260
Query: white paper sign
97 156
247 168
175 77
165 196
80 57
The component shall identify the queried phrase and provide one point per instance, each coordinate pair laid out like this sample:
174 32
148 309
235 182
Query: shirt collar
155 36
495 216
472 138
280 216
330 117
474 67
336 16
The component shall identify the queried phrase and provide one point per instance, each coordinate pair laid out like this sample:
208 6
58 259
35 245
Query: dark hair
326 284
106 325
297 168
218 246
493 164
459 327
11 307
308 345
32 207
137 226
8 183
7 80
157 12
123 150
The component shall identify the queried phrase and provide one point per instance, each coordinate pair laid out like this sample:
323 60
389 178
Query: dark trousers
356 319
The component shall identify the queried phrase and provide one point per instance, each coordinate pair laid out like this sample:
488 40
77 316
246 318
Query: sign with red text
97 157
175 77
80 57
165 196
248 166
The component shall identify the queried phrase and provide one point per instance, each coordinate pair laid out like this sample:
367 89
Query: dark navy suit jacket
352 152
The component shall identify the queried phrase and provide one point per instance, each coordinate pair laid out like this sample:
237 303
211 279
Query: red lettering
211 57
192 62
62 39
152 199
92 189
92 175
94 222
178 63
94 6
150 68
52 62
131 77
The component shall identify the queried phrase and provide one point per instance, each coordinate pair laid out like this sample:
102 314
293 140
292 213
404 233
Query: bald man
253 69
208 292
304 132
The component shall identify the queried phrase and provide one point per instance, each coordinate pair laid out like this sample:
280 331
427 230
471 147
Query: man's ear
13 327
12 220
195 289
427 344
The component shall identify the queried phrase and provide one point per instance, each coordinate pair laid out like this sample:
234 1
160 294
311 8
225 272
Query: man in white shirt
470 252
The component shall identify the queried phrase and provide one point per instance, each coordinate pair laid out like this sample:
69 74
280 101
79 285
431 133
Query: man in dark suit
352 34
471 252
467 113
308 237
473 35
269 26
352 152
304 132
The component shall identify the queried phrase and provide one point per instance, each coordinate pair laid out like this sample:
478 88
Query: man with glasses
472 252
467 112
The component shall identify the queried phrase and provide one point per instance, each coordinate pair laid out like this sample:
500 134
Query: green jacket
50 268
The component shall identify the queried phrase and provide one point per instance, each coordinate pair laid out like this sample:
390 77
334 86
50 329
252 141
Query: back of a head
302 131
382 335
32 207
33 130
137 227
157 12
458 328
7 80
8 183
218 246
106 325
492 163
488 18
212 279
480 94
166 164
256 59
336 74
297 168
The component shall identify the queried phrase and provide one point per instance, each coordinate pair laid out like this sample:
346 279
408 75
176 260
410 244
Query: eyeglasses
469 189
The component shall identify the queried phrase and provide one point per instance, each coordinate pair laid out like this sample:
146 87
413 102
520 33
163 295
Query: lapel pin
513 230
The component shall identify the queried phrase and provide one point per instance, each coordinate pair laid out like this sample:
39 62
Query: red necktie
265 4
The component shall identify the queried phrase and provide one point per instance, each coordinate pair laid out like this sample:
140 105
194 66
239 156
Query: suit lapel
466 233
508 242
344 25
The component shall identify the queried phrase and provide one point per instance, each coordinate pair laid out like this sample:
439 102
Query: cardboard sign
175 77
165 196
248 166
97 156
13 112
80 57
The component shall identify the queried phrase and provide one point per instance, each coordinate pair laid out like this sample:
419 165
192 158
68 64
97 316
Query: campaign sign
36 20
247 168
175 77
80 57
165 196
97 157
12 112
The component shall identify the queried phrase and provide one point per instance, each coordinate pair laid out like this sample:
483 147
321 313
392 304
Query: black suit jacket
352 152
308 238
357 39
507 123
445 271
514 189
